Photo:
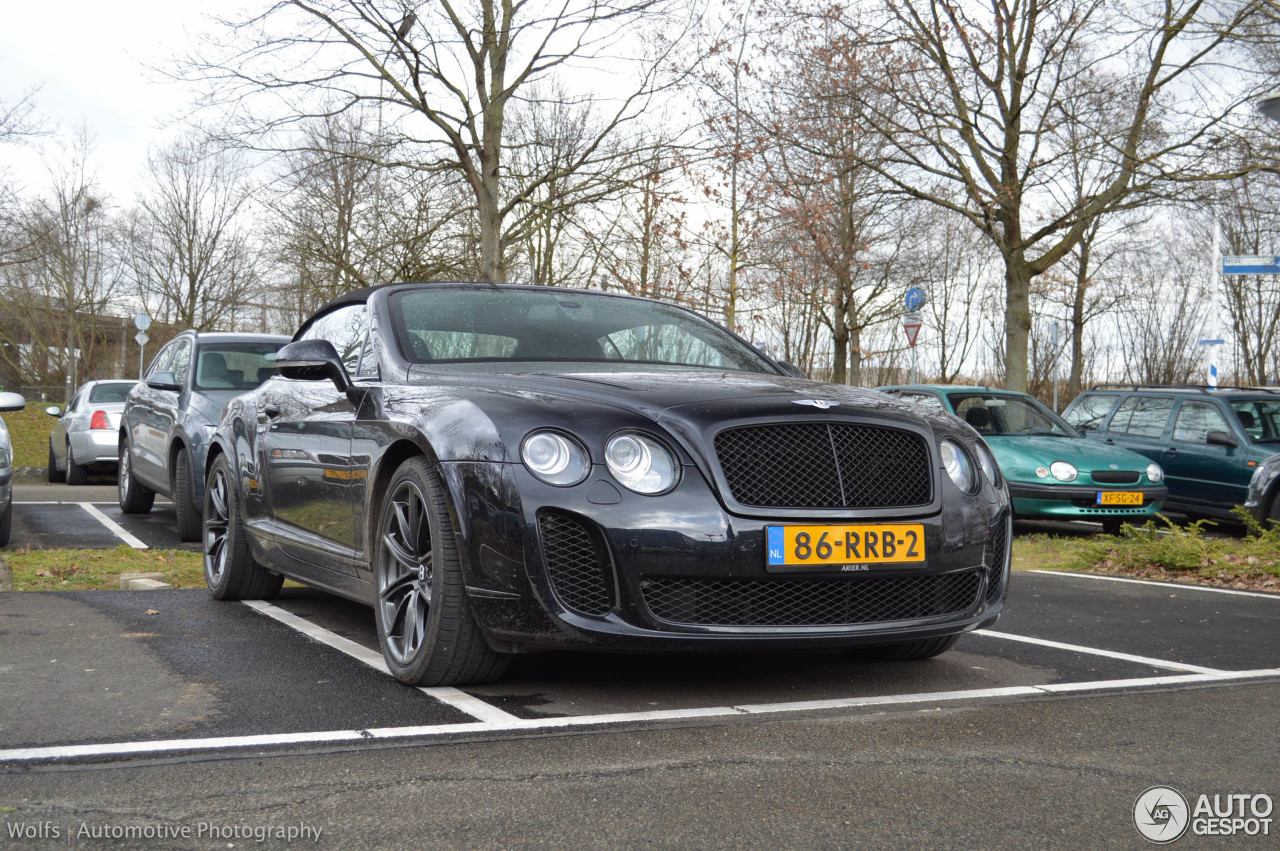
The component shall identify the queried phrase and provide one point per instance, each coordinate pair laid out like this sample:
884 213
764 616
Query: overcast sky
91 58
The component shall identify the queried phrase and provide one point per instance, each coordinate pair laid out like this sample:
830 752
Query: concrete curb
138 581
30 474
6 575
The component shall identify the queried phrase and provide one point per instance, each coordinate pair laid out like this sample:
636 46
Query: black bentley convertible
496 469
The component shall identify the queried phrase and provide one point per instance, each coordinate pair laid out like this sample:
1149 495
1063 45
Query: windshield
104 393
1260 418
235 366
548 326
992 413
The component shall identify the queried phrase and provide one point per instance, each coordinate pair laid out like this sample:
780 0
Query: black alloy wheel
133 497
55 475
230 570
6 522
425 626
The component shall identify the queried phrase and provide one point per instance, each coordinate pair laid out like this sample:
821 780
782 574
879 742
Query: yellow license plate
1119 498
820 546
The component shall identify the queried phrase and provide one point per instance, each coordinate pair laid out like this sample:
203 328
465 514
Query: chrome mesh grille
810 602
824 465
576 563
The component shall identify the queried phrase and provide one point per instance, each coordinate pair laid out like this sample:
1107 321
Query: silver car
87 432
8 402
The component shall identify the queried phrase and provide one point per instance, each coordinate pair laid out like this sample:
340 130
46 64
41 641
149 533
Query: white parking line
1094 651
439 731
460 700
119 531
1257 595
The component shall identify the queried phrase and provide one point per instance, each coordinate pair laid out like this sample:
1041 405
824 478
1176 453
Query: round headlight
641 463
554 458
958 465
1155 474
987 462
1063 472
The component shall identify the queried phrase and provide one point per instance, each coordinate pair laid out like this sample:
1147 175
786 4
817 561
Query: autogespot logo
1161 814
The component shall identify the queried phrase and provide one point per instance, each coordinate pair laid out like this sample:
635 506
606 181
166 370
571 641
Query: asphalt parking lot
140 684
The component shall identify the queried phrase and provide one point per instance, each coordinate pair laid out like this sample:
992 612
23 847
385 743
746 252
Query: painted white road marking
1257 595
119 531
460 700
1094 651
437 731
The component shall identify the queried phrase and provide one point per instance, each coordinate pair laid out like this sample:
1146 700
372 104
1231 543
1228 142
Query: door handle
1170 451
271 410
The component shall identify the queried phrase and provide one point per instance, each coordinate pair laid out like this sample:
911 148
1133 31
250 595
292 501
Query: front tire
76 474
6 522
134 498
189 520
229 568
425 625
55 475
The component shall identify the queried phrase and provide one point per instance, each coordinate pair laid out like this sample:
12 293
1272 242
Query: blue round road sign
914 299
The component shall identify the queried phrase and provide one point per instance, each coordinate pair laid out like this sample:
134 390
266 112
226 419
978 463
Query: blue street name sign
1251 264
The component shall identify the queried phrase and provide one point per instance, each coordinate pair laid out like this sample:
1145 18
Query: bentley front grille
577 563
825 465
810 602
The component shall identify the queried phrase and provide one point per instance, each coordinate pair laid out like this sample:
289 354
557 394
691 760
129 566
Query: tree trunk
1017 323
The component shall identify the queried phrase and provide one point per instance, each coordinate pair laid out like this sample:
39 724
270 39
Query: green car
1052 470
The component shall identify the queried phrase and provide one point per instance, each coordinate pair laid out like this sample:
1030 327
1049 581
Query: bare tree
446 73
970 96
190 252
59 289
955 269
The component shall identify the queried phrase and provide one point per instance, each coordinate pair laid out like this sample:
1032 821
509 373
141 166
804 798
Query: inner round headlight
554 458
957 464
641 463
1154 473
1063 472
987 462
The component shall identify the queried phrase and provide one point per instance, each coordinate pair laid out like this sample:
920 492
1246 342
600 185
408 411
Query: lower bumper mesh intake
810 602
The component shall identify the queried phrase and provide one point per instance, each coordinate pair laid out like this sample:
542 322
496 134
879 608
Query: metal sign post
142 322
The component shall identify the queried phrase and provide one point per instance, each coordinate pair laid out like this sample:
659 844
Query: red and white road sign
913 330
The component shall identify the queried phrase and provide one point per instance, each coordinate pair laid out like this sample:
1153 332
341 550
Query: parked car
8 402
503 468
1052 470
1263 497
86 434
170 415
1209 442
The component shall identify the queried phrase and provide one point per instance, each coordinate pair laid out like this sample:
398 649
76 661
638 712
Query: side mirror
1221 438
792 370
164 381
313 360
53 411
12 402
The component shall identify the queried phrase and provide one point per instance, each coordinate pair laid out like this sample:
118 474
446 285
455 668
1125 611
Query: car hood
725 395
1018 456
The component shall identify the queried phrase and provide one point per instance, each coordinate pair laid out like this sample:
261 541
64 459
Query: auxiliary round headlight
987 462
1155 474
641 463
1063 472
958 466
554 458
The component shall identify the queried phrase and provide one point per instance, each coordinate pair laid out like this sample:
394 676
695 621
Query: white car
87 433
8 402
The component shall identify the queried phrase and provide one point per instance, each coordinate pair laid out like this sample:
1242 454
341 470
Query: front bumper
1079 502
598 566
95 446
